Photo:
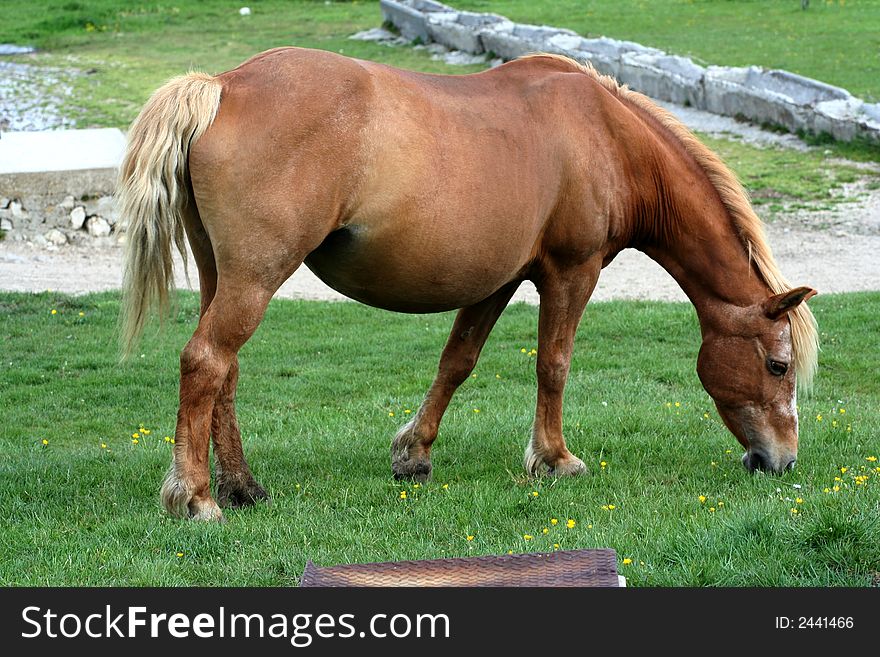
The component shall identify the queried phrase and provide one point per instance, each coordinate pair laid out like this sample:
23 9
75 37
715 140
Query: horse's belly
401 276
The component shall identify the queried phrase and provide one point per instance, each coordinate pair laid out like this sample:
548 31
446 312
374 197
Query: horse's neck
705 255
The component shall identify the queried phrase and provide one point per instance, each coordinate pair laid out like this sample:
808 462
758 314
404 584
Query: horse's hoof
175 495
413 469
205 509
570 467
234 494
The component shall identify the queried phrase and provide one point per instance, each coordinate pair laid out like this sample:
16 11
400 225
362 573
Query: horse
422 193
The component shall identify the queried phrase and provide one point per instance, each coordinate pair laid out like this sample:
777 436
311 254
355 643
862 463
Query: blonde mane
749 227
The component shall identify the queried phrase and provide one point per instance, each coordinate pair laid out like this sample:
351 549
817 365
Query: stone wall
765 96
56 186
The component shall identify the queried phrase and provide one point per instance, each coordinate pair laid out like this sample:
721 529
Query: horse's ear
777 305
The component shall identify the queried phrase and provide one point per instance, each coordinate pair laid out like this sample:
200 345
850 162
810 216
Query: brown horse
422 193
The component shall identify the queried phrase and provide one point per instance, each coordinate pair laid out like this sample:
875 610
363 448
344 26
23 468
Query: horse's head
746 365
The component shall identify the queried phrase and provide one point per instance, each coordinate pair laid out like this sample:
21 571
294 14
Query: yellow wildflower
470 537
871 458
798 500
545 531
553 521
403 494
534 493
179 555
570 524
103 445
528 537
794 511
843 470
134 441
702 499
45 442
54 312
627 561
836 489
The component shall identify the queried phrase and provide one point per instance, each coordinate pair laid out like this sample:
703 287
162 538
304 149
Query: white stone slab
61 150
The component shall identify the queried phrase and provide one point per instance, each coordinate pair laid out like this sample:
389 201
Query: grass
325 386
835 41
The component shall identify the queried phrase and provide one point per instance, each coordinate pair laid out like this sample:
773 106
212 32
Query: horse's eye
776 368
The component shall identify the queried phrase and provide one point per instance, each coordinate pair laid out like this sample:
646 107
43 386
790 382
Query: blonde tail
152 193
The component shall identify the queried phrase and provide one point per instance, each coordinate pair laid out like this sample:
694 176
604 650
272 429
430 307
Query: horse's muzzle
755 459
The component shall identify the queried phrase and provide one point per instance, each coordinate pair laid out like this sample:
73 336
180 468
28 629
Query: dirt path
832 260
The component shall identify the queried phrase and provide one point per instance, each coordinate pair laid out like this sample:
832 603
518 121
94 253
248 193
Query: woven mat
562 568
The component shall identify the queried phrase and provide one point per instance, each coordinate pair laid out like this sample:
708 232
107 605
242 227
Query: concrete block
410 21
603 54
61 150
460 30
666 77
511 40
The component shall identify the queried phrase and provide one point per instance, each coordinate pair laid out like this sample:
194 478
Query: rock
97 227
104 207
55 237
4 202
77 218
6 224
13 49
17 210
67 203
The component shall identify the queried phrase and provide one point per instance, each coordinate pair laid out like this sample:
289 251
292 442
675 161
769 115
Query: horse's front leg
411 448
564 294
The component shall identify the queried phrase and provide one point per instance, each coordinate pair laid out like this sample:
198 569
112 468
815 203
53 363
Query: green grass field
325 386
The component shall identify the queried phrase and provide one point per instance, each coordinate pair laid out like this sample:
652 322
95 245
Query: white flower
245 11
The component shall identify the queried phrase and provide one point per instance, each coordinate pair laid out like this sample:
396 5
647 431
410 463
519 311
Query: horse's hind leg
231 318
411 448
564 294
236 486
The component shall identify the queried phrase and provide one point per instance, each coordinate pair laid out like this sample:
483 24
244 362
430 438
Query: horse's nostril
754 460
791 464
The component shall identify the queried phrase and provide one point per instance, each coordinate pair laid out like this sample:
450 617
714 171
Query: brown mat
563 568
